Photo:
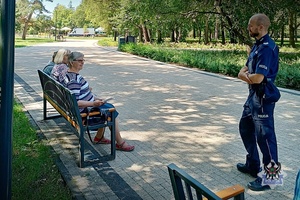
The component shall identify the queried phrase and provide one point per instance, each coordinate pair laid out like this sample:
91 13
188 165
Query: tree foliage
217 20
24 12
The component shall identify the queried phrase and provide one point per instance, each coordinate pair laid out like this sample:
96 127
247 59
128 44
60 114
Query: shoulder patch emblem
263 66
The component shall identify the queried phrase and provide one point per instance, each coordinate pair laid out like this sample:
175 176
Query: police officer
257 122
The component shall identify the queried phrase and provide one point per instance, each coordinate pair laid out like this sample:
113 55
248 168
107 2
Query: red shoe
103 140
127 148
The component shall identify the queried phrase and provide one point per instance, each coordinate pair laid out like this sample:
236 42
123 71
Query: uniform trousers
257 127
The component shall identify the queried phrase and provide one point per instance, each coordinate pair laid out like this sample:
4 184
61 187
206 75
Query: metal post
55 25
7 56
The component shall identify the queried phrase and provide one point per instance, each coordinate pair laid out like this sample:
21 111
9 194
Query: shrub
227 62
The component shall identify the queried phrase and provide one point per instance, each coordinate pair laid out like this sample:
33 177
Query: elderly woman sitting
85 98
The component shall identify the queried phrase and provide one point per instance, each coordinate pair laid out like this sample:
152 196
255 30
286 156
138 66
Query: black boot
256 185
244 169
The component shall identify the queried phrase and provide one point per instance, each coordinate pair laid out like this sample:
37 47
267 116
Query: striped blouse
80 87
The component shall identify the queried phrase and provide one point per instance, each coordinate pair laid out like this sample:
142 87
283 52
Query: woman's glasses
80 60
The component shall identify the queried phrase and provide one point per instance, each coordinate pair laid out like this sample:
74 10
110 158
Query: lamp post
7 57
55 24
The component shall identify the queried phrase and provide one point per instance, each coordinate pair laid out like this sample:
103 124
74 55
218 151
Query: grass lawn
30 41
34 173
107 41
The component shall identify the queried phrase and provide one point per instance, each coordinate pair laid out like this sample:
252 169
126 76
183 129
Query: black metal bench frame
179 176
65 103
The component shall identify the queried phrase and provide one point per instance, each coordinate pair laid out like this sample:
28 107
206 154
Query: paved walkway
170 113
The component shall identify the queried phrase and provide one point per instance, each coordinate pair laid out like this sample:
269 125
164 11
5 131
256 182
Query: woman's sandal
103 140
127 148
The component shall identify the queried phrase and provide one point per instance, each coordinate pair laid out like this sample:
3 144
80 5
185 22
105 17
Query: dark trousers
257 127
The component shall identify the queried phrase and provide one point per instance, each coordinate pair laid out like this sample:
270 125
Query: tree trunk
149 34
115 35
141 34
159 37
173 36
145 33
292 30
206 32
232 38
177 35
126 35
223 32
282 36
216 36
200 32
194 32
26 26
296 29
24 31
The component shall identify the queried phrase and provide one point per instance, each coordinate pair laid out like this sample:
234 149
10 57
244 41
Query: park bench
193 188
65 103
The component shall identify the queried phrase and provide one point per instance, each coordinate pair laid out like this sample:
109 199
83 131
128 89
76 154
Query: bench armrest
230 192
95 113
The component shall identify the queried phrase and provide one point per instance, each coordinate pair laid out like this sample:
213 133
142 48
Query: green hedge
227 62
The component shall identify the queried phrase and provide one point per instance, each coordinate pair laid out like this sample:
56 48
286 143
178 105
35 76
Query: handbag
94 116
